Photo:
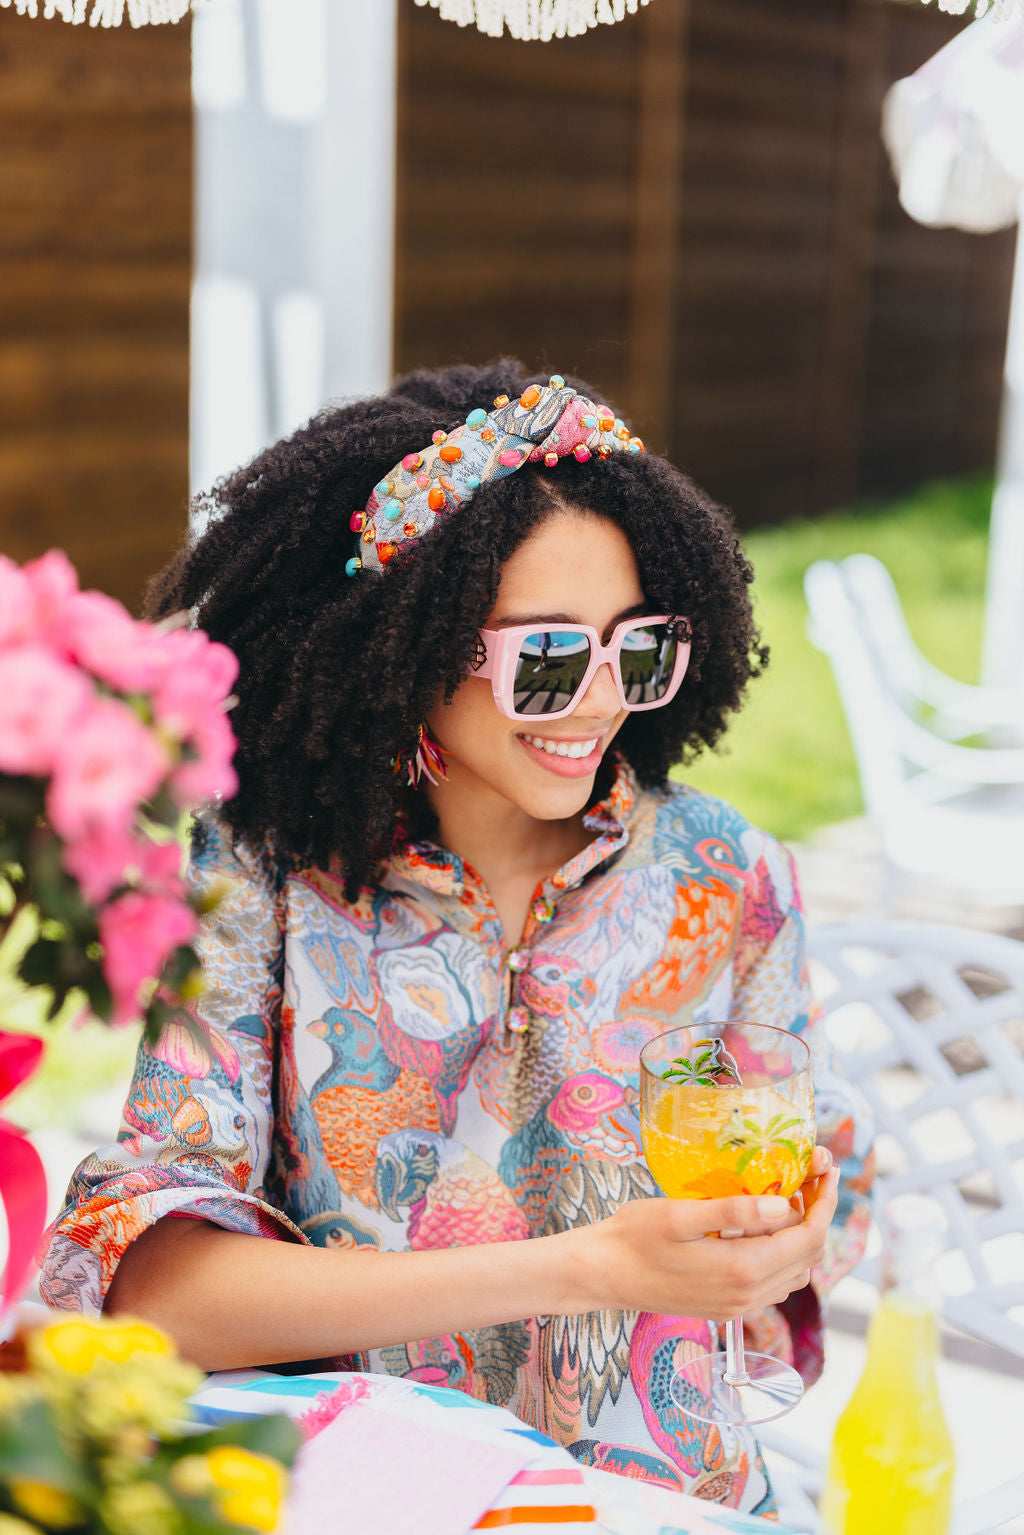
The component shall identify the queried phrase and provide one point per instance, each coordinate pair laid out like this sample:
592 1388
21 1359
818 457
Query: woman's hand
664 1255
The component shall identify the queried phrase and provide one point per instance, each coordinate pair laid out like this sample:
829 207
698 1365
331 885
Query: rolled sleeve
197 1127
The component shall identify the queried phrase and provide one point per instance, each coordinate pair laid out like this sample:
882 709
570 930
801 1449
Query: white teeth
563 748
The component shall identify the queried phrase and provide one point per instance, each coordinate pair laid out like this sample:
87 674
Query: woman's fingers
821 1161
740 1216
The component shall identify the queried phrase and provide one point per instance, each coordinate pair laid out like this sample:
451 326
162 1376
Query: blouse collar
445 873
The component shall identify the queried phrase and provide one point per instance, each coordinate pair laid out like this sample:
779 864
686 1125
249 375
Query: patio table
405 1458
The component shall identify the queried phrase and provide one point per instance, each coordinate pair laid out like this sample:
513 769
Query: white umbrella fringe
981 7
526 20
534 20
103 13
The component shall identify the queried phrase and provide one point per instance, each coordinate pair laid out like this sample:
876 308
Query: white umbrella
955 132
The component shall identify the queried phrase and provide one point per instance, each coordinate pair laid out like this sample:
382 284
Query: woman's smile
567 756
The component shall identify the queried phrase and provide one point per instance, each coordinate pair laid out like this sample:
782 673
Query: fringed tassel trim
534 20
426 761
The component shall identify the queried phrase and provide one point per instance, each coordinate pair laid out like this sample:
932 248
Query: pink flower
139 933
197 678
98 860
105 638
52 581
107 764
17 609
41 699
202 778
106 857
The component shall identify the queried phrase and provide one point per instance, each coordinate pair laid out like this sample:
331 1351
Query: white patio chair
946 812
950 709
928 1021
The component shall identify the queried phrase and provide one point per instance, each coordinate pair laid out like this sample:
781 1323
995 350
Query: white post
294 216
1003 646
354 249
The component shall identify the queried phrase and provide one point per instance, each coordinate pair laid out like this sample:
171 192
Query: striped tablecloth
401 1458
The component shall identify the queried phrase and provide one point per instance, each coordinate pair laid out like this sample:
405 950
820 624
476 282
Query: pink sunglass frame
503 647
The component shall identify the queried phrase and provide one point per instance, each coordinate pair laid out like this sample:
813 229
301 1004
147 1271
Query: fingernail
772 1206
827 1155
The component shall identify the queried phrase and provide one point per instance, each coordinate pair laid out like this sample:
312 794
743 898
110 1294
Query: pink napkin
370 1470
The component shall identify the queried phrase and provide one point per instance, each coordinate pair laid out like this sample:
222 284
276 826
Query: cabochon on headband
545 424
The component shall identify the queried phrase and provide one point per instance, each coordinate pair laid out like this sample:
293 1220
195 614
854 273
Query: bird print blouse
387 1073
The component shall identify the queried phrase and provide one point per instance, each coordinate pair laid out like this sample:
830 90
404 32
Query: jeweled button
543 909
518 1020
518 959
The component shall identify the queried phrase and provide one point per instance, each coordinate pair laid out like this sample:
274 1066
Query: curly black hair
338 673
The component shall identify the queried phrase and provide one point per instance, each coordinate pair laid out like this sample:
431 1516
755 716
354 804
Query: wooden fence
693 209
95 253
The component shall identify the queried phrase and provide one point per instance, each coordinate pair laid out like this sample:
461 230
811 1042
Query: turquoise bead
473 482
393 510
590 421
476 419
619 424
384 487
353 566
556 381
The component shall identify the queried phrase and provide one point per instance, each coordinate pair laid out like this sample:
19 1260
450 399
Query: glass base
770 1390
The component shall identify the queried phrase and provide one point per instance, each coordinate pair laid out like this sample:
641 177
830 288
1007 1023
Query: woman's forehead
573 568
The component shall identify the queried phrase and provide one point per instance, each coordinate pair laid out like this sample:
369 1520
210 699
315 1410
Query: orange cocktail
710 1142
725 1109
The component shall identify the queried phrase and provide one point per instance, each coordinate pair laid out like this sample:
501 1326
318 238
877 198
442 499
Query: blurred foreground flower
95 1439
109 730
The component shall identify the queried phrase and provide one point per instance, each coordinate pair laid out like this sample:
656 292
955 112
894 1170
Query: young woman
477 625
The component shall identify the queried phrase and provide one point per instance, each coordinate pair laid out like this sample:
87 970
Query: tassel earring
426 761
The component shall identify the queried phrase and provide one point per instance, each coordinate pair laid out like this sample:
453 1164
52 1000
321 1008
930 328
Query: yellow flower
11 1526
77 1344
252 1487
147 1392
140 1508
191 1477
16 1392
43 1503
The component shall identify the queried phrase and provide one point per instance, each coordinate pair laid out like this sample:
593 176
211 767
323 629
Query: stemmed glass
728 1108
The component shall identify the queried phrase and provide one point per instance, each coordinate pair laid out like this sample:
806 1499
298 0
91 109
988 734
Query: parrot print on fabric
391 1074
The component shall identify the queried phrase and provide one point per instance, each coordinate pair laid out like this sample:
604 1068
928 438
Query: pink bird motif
658 1347
593 1111
454 1199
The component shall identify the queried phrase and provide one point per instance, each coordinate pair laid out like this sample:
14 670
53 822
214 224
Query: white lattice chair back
945 812
928 1021
953 709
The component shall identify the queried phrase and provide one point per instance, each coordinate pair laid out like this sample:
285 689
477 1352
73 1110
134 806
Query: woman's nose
601 700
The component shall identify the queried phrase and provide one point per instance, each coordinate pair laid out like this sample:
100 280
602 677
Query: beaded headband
545 424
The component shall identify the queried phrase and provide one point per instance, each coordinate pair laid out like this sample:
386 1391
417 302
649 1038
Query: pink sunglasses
547 671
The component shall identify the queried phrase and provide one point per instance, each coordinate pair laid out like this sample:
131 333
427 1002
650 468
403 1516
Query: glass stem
735 1360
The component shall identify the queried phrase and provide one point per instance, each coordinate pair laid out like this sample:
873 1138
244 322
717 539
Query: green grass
786 761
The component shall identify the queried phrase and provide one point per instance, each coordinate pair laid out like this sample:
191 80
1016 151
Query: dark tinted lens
647 661
549 671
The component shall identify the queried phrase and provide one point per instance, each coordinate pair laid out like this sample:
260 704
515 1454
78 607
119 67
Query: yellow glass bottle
891 1467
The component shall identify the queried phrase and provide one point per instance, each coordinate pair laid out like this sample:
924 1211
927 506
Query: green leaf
746 1159
30 1448
273 1435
